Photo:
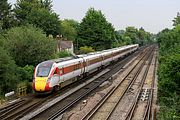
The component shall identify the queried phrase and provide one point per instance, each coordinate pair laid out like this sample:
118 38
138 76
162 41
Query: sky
152 15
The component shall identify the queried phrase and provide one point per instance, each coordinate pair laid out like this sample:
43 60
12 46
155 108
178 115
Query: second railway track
108 104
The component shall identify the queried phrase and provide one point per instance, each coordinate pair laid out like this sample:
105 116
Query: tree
63 54
29 46
95 31
144 37
47 4
121 39
169 41
8 76
132 32
6 17
176 20
23 8
38 13
48 22
69 29
85 50
169 74
137 36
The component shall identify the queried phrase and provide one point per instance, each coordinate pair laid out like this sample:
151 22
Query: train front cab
41 81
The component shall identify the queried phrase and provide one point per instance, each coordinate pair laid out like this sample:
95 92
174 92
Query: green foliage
69 29
48 22
47 4
25 45
133 35
26 73
38 13
23 8
132 32
63 54
4 9
127 40
29 46
85 50
8 77
169 107
6 17
176 20
169 41
95 31
144 37
119 40
169 74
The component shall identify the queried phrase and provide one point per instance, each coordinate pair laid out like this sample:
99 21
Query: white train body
61 72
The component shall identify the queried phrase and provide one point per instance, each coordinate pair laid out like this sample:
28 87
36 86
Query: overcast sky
152 15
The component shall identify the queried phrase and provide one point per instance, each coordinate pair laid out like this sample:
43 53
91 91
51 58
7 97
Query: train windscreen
44 69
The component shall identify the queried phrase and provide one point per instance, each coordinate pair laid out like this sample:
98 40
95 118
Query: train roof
63 59
86 55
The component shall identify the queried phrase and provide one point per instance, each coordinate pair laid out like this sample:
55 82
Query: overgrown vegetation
39 13
85 50
63 54
7 72
28 45
96 31
22 48
69 29
169 73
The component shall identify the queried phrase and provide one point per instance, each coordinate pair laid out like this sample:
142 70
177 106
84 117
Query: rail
93 111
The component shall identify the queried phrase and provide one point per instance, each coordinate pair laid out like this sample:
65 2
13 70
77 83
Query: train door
86 65
55 77
82 67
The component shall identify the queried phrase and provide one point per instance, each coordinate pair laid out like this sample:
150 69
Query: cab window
44 69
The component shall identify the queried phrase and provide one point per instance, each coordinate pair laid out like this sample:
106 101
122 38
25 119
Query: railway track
109 103
147 99
142 95
60 107
11 107
21 108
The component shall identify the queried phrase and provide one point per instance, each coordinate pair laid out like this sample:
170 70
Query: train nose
40 84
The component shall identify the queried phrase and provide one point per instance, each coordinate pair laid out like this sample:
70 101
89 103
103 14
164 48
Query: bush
8 76
26 73
85 50
63 54
169 74
29 46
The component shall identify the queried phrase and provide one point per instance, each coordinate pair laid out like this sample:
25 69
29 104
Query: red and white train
52 74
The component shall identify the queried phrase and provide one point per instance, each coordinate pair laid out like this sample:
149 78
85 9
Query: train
53 74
